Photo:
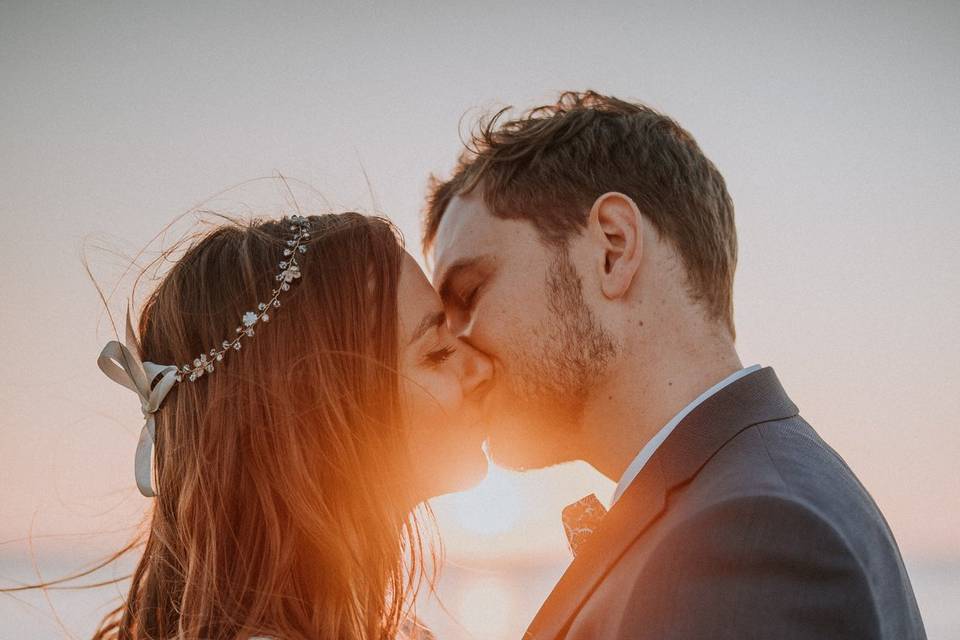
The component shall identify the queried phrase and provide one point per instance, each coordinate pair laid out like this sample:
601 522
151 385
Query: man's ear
616 226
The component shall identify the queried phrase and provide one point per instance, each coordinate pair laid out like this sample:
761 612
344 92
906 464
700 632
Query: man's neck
643 395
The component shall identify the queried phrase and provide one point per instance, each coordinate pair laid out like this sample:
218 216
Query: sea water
472 603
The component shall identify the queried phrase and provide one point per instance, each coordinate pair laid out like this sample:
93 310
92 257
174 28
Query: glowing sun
492 507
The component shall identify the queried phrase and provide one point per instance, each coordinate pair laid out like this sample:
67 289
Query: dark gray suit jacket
744 524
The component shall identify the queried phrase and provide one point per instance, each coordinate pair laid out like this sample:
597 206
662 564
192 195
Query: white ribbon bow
122 365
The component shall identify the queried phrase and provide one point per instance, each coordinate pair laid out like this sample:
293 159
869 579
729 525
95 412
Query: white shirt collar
651 447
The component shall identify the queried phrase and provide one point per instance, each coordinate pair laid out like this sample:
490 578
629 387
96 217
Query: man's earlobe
616 220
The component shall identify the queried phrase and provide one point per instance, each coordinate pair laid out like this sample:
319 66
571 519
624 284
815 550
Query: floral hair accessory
289 271
121 363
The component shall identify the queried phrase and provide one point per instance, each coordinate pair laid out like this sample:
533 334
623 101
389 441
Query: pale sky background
835 126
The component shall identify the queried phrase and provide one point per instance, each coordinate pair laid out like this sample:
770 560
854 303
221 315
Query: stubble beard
554 371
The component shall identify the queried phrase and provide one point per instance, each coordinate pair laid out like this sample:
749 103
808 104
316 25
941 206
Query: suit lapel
755 398
637 508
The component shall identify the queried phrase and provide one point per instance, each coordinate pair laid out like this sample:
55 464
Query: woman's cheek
448 393
435 398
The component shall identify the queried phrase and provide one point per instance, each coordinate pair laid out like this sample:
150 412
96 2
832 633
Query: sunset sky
836 130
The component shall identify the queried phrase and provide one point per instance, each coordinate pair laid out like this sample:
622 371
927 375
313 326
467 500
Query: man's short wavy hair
550 164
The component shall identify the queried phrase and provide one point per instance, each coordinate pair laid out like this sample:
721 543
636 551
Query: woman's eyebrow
432 320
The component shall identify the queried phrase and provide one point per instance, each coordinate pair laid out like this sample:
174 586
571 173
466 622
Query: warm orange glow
848 281
513 516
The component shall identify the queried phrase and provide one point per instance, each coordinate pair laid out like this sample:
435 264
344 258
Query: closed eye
462 282
468 301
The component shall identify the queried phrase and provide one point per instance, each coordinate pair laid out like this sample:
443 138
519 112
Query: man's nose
460 323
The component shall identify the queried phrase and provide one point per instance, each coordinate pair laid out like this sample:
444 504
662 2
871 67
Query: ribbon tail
133 343
143 461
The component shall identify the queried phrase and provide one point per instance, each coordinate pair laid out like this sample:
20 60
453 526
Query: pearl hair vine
152 382
289 271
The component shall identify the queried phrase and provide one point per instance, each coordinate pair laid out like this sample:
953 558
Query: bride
302 395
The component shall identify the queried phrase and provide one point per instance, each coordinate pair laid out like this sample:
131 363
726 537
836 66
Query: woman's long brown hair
284 505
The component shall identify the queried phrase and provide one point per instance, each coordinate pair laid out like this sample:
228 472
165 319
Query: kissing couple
306 387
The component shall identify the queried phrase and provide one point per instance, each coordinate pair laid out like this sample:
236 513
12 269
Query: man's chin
524 453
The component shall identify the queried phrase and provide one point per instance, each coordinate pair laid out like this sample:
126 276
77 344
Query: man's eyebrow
432 320
460 266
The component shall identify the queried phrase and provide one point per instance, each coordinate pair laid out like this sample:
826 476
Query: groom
589 249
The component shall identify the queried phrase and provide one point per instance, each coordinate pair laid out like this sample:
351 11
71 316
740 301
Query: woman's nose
477 368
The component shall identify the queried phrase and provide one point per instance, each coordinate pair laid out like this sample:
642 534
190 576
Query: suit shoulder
758 519
751 552
786 459
780 476
785 462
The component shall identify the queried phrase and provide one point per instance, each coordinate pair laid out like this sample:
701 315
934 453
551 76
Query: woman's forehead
416 297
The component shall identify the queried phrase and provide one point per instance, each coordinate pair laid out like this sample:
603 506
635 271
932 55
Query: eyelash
438 357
